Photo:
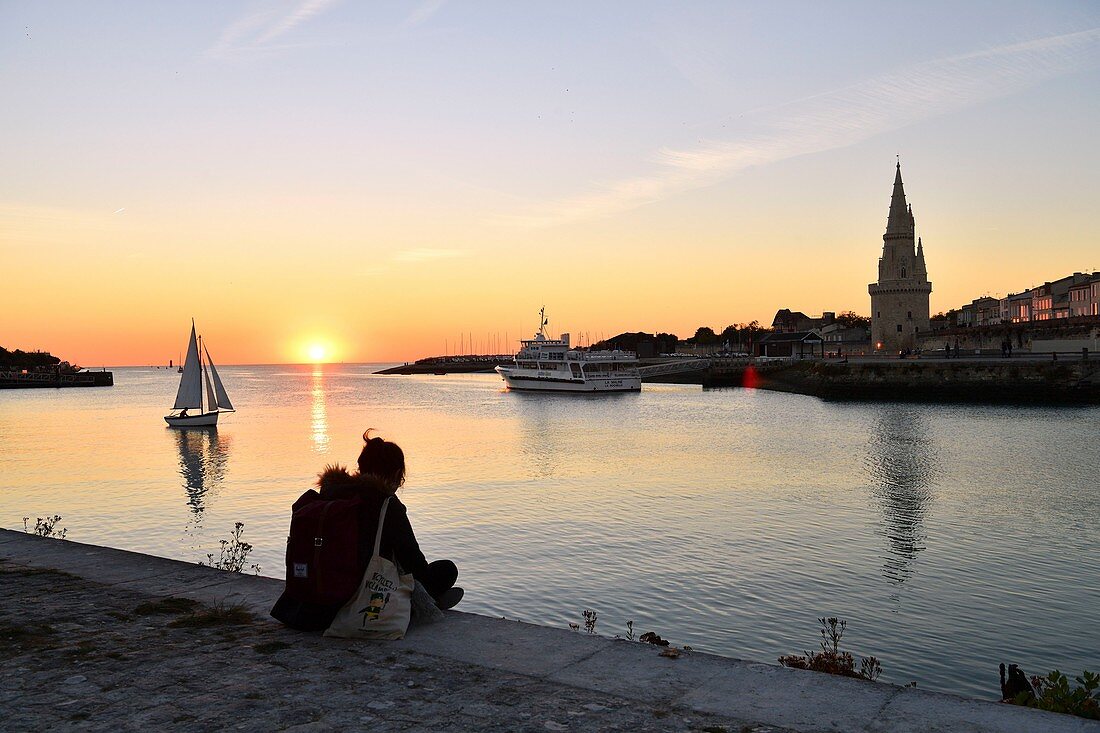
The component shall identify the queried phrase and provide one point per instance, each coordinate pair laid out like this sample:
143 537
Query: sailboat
200 378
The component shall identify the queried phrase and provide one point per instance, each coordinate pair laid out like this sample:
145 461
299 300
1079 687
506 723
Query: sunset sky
374 179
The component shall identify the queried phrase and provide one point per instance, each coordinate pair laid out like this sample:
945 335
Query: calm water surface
950 537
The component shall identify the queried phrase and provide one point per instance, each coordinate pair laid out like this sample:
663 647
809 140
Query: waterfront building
1062 298
1080 299
788 321
983 311
899 300
1019 307
799 344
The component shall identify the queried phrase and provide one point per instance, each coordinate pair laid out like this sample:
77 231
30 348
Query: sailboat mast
201 385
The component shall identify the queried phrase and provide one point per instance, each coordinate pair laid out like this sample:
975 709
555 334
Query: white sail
190 392
219 390
211 401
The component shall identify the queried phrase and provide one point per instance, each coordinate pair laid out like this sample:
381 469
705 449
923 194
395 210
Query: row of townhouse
1072 296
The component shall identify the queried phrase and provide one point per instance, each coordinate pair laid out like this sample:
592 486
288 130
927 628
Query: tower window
903 272
899 328
878 314
909 315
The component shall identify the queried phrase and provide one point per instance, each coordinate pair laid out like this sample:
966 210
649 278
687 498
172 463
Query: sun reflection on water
319 413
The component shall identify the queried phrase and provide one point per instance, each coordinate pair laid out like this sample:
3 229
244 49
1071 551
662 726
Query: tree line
27 359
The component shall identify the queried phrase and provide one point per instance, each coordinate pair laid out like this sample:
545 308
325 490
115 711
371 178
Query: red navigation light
750 379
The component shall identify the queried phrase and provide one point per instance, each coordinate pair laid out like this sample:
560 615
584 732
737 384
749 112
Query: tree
704 336
849 319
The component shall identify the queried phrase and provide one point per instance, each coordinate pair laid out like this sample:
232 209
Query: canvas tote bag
382 607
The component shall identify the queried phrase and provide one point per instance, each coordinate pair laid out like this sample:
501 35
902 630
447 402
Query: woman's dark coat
398 541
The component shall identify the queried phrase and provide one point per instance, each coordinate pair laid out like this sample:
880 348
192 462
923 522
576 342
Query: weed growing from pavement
219 614
1054 693
270 647
830 659
166 606
234 553
590 619
29 634
45 527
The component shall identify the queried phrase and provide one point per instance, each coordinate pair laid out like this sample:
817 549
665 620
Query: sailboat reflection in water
204 457
199 377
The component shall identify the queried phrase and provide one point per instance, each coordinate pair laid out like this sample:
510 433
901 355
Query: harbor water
949 537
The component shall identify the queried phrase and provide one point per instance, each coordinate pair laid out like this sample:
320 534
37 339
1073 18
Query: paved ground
94 638
77 654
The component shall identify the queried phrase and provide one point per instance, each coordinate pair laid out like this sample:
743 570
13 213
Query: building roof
773 338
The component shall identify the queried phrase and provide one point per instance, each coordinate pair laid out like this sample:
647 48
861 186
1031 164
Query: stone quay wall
1069 380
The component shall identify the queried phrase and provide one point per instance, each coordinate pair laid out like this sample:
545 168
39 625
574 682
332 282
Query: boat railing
607 355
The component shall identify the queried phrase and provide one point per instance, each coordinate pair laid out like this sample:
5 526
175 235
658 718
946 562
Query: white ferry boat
552 365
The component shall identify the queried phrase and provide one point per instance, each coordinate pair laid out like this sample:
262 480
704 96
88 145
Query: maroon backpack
323 565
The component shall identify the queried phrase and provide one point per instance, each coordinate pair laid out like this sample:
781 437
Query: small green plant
630 631
590 619
45 527
830 659
234 553
1054 693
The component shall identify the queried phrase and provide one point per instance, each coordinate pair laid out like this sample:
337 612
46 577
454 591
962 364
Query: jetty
104 639
29 379
1066 378
30 369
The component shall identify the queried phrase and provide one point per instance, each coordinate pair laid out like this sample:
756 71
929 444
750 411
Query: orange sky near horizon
122 290
383 181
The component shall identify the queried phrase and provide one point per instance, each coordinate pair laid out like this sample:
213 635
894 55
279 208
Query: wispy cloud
427 254
836 119
258 32
423 12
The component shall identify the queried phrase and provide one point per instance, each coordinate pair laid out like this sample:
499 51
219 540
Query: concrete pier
78 650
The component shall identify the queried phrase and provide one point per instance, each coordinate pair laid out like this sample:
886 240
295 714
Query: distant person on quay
344 515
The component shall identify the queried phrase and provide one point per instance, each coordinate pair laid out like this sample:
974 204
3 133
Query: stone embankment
93 638
1070 380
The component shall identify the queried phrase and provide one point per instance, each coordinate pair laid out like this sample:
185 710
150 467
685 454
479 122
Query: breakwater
1065 381
448 365
54 378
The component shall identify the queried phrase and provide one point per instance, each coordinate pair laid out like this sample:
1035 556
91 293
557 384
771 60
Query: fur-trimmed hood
335 482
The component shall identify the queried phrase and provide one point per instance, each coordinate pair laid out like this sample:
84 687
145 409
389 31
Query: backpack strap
381 520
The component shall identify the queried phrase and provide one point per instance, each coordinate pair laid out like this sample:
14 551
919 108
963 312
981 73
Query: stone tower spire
899 300
901 217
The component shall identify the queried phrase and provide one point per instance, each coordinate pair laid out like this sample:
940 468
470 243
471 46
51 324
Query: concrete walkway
76 652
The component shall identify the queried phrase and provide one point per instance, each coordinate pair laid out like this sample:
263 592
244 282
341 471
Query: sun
317 352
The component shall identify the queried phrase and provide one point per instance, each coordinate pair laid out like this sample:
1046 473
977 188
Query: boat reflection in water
203 459
901 460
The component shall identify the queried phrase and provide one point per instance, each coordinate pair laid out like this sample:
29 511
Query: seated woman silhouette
381 474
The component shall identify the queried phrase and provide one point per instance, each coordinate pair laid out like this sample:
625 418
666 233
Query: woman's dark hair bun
383 459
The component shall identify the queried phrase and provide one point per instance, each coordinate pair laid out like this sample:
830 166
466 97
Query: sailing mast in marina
200 378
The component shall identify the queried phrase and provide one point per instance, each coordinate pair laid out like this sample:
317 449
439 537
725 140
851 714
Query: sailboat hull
208 420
